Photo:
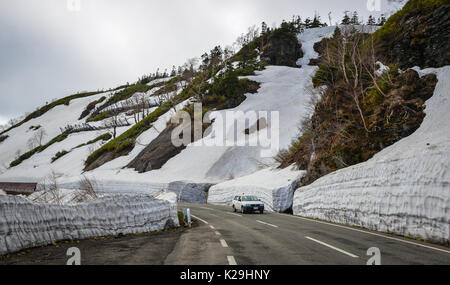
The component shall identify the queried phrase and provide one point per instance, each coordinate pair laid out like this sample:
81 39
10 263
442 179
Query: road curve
221 237
278 239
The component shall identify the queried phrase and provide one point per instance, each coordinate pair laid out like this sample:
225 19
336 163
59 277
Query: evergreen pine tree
346 19
263 29
337 33
355 19
297 23
316 22
381 20
308 23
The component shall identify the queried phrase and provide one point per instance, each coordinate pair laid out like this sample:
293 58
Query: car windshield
249 198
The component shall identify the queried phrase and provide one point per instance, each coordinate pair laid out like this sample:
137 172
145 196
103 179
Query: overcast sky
50 51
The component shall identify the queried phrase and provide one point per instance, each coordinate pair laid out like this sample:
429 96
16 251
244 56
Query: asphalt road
139 249
278 239
221 237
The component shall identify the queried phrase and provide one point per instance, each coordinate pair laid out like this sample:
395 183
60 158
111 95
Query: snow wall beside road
24 224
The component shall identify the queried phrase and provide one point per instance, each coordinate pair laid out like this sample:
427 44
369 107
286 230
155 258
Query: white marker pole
188 214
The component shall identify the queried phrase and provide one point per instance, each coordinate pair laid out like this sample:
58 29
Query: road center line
234 214
333 247
200 219
212 227
267 224
223 243
217 233
369 233
207 208
231 260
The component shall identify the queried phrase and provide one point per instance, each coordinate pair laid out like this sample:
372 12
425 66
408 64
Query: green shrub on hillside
59 154
393 26
104 137
48 107
41 148
375 95
90 107
181 218
129 91
119 96
324 75
358 114
227 91
127 139
100 117
124 145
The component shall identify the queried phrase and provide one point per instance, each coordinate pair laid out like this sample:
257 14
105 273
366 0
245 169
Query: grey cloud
49 52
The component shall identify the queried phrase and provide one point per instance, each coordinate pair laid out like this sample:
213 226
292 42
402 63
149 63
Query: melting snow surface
25 224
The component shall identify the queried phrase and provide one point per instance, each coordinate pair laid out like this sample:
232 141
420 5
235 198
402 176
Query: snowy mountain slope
280 91
404 189
295 84
40 165
58 117
285 90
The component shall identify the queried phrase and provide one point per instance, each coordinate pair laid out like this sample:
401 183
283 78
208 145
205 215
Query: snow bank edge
24 224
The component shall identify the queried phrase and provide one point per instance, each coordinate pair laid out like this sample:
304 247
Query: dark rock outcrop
417 39
104 158
282 48
157 153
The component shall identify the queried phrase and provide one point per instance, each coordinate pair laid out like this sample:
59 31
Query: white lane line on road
223 243
212 227
207 208
333 247
234 214
217 233
231 260
267 224
200 219
369 233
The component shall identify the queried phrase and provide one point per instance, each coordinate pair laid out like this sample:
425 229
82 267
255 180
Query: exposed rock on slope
161 149
419 35
157 153
283 48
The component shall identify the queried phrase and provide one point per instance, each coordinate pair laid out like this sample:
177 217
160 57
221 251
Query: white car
248 204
